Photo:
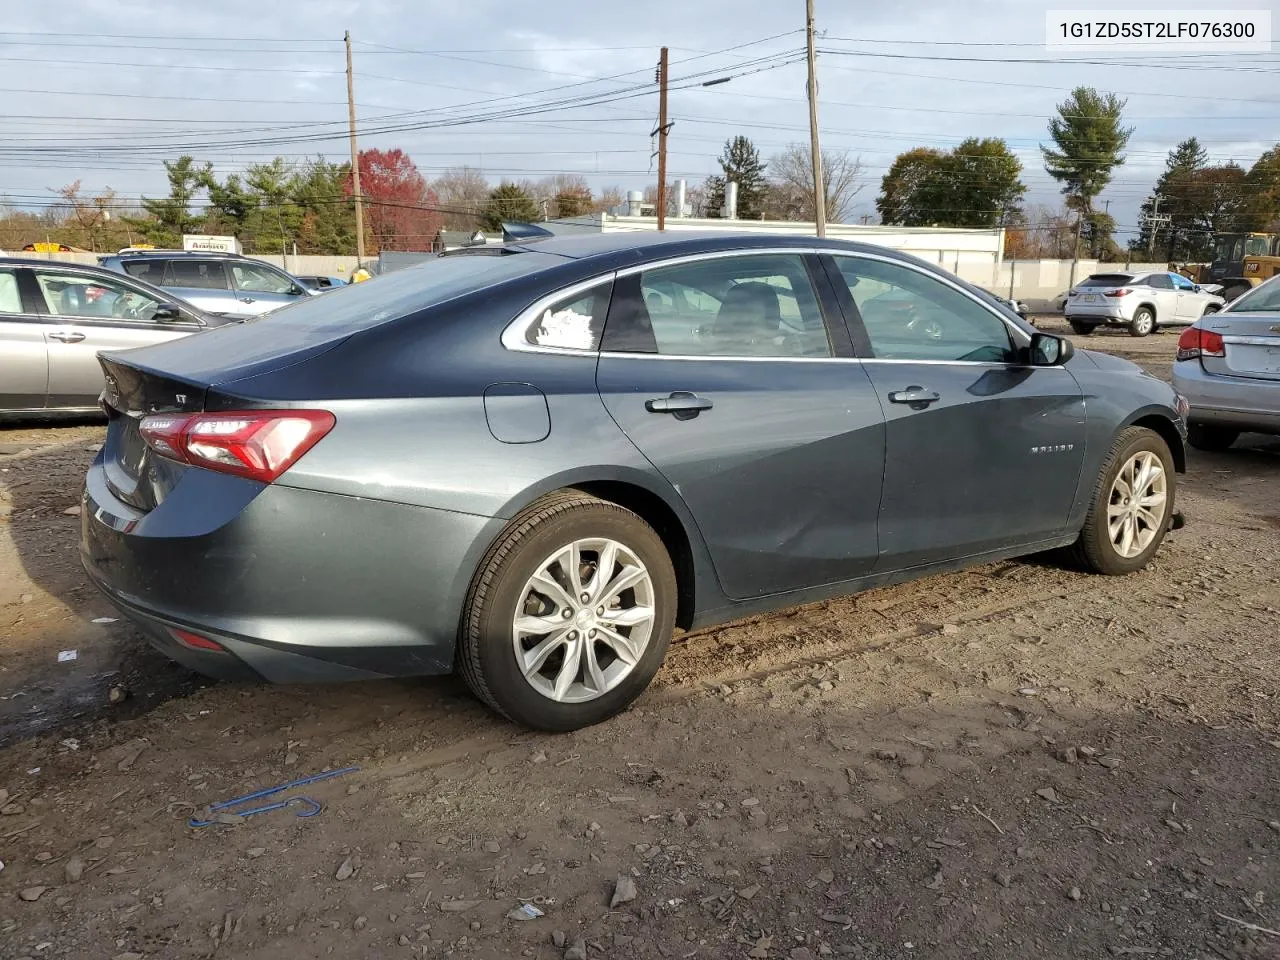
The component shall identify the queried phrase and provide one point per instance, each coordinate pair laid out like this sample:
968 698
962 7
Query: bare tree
462 193
790 195
609 197
89 212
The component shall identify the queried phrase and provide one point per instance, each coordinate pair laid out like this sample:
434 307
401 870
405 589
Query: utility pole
819 191
662 140
1154 220
355 153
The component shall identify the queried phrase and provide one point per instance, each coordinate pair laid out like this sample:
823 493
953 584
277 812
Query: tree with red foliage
399 209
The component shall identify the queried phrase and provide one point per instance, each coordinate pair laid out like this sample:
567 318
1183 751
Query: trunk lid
1252 344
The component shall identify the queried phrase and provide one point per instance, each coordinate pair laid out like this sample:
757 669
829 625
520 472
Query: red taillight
1196 342
1122 292
257 444
195 641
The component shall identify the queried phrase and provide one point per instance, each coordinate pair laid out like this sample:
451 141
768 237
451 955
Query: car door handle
918 397
66 337
680 404
246 299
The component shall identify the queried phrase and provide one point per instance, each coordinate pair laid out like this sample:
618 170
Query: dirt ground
1015 761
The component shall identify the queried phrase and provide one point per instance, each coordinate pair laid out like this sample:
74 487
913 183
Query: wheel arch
1160 423
662 511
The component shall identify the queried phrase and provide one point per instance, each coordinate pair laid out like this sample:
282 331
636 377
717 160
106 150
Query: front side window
195 274
743 306
574 323
255 278
909 315
73 295
1181 282
10 295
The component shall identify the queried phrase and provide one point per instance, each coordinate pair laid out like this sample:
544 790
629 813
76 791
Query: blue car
530 463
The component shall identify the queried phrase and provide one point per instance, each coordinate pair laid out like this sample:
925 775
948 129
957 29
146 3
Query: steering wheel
124 309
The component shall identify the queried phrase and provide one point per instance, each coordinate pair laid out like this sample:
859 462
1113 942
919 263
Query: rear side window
1159 281
10 297
1107 280
196 274
151 271
574 323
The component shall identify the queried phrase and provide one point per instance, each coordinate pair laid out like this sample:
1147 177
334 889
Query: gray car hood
1105 361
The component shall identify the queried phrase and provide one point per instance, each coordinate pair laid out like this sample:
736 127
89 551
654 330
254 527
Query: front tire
1143 322
1131 507
1210 438
570 614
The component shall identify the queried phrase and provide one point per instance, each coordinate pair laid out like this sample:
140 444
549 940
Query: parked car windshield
1262 299
391 296
1107 280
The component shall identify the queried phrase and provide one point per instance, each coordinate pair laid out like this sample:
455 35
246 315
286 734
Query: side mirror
298 291
1050 351
168 313
1195 287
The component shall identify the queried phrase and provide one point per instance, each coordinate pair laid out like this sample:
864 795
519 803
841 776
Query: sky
102 91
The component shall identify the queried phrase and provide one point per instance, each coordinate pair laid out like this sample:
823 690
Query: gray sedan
1228 367
55 317
531 463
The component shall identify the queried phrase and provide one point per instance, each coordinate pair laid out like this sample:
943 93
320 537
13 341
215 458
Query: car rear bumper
294 585
1243 402
1097 313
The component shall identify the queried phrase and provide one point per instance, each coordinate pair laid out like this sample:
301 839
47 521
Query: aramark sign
208 244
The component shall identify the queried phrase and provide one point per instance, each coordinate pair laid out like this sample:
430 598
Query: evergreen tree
508 203
740 162
1088 144
170 217
1178 239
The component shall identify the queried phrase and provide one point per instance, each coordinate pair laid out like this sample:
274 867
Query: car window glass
151 271
1263 299
73 295
10 297
195 274
1181 282
1159 281
747 306
574 323
1107 280
909 315
254 278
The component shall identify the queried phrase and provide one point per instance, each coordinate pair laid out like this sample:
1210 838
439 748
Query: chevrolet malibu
531 463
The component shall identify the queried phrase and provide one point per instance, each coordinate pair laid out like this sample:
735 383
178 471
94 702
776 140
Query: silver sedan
1228 368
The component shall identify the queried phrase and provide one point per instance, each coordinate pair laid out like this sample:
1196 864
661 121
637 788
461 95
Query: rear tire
1143 322
1210 438
527 582
1083 329
1101 547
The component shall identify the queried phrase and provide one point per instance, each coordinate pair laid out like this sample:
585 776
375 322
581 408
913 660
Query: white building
974 254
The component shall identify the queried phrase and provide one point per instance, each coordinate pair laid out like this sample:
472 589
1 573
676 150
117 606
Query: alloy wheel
1136 507
583 620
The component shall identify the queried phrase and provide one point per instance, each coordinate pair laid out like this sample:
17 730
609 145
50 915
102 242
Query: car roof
89 270
615 250
168 254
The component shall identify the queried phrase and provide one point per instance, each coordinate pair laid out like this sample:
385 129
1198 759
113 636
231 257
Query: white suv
1141 302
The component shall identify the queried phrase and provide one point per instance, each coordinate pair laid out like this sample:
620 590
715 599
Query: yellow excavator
1240 261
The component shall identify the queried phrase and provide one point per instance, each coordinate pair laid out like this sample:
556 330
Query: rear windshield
1107 280
359 306
1263 299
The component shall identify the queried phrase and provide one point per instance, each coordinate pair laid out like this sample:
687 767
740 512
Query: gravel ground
1014 761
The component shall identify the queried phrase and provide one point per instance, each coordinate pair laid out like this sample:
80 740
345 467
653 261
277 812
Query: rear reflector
257 444
195 641
1196 342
